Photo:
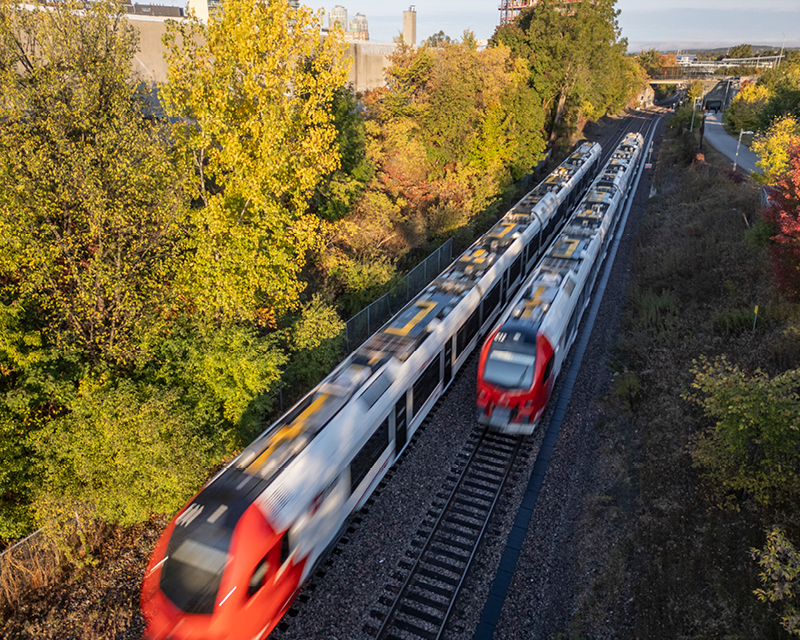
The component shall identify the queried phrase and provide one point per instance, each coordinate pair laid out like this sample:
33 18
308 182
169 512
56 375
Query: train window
376 390
551 226
192 572
284 549
491 302
514 271
424 386
569 286
547 369
595 270
257 579
582 299
467 332
511 360
573 321
368 455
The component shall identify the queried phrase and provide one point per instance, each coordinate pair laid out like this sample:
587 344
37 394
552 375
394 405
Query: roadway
726 144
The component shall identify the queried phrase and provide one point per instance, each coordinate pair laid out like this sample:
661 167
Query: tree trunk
562 100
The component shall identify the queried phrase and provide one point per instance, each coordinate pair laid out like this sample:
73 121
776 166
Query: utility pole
736 159
694 106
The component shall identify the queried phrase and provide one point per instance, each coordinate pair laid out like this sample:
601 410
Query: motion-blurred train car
522 356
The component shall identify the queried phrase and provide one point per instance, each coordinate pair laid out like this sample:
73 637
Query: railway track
420 598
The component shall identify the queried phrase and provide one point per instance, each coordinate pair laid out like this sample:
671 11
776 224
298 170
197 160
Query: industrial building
510 9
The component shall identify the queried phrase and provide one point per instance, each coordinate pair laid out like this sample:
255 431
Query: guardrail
363 324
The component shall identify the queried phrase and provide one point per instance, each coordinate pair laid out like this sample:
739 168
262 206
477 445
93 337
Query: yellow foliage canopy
255 86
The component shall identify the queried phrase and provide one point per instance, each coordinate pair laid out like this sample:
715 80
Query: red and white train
523 354
230 563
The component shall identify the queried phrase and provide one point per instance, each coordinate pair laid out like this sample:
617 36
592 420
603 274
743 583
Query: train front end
218 572
514 384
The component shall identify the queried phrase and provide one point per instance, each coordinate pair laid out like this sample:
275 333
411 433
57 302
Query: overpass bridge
688 70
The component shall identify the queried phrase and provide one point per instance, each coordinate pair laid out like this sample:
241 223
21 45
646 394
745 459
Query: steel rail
431 561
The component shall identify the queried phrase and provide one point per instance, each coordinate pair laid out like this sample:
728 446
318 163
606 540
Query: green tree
126 464
225 374
754 445
695 90
741 51
438 39
337 193
91 197
316 340
256 86
574 56
746 108
785 84
92 224
650 61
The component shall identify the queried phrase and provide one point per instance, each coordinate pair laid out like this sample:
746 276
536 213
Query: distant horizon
666 46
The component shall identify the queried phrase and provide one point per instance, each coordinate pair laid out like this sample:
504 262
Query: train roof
566 254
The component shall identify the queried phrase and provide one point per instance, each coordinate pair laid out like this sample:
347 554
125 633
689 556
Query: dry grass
87 600
32 565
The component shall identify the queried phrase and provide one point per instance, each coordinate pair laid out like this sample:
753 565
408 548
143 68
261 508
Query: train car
232 560
522 356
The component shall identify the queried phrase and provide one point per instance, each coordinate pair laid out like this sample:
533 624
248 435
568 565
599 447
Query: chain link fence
367 321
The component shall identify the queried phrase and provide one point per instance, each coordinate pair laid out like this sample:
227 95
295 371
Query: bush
316 342
754 445
780 562
735 321
627 388
127 449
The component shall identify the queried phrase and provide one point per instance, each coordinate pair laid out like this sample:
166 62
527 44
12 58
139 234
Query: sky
666 25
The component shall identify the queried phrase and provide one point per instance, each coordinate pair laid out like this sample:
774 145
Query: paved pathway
725 143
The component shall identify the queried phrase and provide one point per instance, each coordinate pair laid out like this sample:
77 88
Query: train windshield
193 568
511 360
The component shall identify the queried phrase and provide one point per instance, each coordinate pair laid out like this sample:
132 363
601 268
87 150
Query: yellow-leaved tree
772 147
746 107
255 87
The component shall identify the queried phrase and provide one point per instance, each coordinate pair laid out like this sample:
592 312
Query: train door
448 361
400 425
324 518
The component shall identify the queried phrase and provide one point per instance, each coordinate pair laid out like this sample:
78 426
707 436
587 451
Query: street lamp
736 159
694 105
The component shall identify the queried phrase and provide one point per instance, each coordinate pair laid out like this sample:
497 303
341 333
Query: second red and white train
523 355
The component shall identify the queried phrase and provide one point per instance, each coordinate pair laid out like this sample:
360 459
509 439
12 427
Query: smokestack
410 26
